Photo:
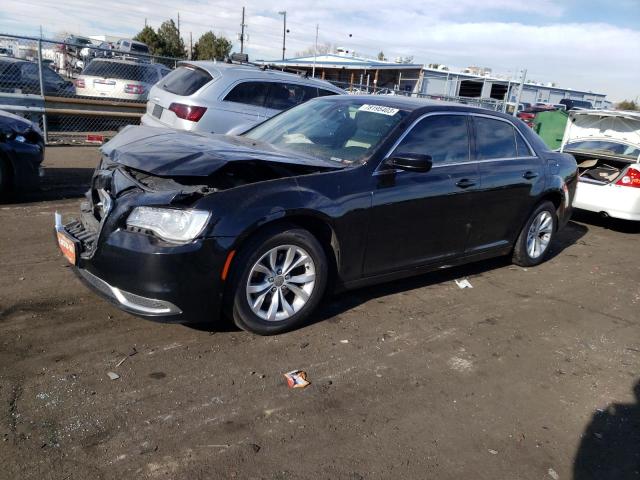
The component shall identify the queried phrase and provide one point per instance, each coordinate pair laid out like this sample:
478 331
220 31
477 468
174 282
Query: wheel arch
315 224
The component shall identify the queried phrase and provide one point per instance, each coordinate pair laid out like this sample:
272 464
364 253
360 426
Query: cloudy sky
582 44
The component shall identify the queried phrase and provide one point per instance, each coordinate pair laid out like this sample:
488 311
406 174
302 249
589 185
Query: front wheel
534 241
278 281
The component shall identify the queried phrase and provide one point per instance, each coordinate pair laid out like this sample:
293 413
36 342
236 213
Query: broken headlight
170 224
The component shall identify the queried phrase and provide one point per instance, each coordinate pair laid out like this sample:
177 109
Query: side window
444 137
249 93
523 148
324 93
494 139
286 95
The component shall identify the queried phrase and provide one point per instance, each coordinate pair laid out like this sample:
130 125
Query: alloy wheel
281 282
539 235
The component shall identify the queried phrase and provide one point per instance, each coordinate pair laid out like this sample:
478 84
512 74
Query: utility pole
284 33
190 45
145 22
315 53
178 24
242 25
524 77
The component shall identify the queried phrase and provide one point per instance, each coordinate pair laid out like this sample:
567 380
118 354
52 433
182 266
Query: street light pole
522 80
315 53
284 33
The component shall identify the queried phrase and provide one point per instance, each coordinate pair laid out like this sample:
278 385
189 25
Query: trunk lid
600 126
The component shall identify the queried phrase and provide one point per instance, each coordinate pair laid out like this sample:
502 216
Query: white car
121 79
606 145
216 97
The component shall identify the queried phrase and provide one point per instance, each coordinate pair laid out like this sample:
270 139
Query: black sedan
338 192
21 153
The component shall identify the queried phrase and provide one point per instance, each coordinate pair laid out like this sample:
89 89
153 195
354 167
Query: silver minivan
214 97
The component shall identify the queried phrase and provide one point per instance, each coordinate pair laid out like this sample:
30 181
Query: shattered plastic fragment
297 379
464 283
113 375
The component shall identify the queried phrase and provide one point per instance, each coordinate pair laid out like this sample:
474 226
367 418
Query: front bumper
150 278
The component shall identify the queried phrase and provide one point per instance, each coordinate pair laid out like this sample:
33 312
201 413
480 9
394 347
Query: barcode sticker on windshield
379 109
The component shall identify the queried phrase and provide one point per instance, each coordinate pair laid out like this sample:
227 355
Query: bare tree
323 49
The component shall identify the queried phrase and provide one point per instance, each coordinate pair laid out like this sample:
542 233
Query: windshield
346 131
604 147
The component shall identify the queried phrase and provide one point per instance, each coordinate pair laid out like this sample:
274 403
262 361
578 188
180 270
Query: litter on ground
464 283
113 375
297 379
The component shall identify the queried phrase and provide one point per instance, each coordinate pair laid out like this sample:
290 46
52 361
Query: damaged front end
145 234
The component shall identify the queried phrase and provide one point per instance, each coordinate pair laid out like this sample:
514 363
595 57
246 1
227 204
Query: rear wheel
278 281
534 242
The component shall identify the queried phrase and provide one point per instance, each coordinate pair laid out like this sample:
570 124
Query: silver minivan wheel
281 282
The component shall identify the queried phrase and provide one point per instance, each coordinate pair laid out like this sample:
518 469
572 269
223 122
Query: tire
540 229
254 271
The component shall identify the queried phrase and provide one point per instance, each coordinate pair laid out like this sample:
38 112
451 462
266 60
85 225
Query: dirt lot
529 375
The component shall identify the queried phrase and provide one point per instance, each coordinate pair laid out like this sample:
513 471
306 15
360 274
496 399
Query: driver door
418 218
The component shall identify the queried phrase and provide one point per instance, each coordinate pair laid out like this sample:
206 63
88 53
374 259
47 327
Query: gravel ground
528 375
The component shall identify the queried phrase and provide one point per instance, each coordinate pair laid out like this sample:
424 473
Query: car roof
233 71
415 103
14 60
129 62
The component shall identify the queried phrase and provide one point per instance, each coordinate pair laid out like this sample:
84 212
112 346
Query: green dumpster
550 126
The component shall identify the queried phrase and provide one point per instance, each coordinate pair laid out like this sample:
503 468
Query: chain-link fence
86 88
82 90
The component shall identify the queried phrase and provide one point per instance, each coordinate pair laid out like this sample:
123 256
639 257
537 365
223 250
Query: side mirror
413 162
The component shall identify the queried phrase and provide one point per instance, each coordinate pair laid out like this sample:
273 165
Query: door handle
465 183
529 175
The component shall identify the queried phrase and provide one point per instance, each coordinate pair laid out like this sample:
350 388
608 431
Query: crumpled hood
166 152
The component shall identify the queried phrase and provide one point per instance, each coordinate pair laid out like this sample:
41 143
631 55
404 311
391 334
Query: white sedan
606 145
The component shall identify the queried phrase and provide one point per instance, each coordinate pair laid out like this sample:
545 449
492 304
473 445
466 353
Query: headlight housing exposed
173 225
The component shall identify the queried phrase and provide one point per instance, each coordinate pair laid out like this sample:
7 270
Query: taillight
630 179
134 88
187 112
80 83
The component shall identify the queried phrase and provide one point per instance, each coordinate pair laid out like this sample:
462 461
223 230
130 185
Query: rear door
419 218
512 177
243 105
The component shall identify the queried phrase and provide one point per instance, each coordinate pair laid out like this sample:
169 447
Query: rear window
186 81
494 139
121 71
136 47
